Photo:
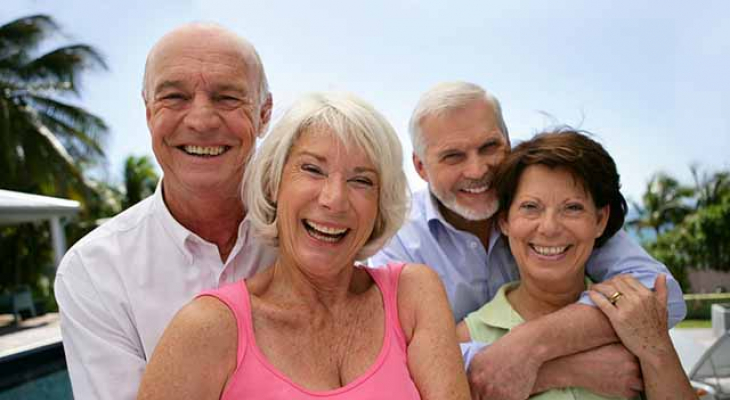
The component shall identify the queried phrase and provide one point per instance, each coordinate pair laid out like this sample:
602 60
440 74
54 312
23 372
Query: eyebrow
492 140
319 158
179 84
175 84
225 87
360 170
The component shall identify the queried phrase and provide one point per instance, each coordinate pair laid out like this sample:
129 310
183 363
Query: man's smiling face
463 148
202 111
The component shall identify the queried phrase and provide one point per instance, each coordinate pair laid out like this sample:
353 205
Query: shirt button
224 276
473 245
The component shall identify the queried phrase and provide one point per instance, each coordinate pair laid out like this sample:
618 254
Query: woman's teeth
325 233
549 250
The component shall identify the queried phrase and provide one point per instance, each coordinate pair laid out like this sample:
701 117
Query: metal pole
58 238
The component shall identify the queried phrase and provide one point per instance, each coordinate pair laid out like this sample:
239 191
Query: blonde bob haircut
357 125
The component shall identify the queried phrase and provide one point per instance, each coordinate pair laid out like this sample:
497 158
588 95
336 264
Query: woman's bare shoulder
204 321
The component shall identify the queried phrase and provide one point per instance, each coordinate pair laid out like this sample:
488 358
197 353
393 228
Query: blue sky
649 78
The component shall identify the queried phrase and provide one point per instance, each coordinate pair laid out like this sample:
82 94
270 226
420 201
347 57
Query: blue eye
575 207
228 99
312 169
528 206
363 181
452 158
173 96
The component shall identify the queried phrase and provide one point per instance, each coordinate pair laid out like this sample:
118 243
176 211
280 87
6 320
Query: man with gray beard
459 139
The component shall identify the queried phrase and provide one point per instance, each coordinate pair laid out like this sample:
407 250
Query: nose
333 195
549 224
202 117
476 167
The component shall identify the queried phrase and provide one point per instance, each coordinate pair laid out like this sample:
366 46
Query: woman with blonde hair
327 188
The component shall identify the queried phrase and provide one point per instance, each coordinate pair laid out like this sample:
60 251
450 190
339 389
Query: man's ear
503 224
147 112
265 115
602 221
420 167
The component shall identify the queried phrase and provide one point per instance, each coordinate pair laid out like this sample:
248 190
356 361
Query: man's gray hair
357 125
244 45
444 98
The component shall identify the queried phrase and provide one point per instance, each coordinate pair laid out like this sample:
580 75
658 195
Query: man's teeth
477 190
204 151
549 251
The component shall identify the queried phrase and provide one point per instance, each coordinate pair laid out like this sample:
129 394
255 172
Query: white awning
17 207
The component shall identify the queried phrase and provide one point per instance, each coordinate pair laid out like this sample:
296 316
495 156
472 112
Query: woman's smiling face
552 225
327 201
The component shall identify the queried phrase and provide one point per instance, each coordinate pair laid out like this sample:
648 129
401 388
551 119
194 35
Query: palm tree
710 189
45 141
140 180
664 204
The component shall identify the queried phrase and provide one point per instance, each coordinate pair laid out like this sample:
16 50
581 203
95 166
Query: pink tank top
256 378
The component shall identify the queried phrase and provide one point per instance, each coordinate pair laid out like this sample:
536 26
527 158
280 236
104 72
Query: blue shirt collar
434 217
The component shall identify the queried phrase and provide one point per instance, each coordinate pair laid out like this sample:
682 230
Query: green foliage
26 254
140 180
664 204
45 140
698 236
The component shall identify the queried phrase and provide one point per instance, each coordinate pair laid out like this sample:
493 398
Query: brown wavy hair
574 151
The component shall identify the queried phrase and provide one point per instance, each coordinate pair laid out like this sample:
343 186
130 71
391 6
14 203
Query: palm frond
25 34
71 122
62 66
81 147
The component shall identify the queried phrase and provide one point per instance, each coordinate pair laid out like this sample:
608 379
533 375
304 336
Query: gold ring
614 297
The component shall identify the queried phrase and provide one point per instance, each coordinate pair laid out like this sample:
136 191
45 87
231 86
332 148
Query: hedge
699 306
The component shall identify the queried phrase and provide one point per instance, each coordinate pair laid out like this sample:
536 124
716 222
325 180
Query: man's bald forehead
204 35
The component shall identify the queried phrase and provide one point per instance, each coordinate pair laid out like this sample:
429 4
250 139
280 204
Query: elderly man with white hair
207 101
459 139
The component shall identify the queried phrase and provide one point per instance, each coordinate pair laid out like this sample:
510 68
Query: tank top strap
235 296
387 278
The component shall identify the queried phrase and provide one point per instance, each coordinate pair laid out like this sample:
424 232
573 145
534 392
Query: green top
494 319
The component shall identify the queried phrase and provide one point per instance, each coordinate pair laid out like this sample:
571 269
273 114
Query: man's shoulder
408 242
417 219
111 233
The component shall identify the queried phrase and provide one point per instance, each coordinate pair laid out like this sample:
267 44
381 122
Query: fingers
660 288
605 288
628 285
602 303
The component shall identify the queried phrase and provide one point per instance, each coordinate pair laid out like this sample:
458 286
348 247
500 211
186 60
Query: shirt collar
500 313
434 217
178 232
181 235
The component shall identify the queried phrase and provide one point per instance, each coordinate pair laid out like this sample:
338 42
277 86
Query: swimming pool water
55 386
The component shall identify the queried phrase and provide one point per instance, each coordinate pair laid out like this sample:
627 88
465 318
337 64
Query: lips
476 190
204 151
325 233
549 250
476 186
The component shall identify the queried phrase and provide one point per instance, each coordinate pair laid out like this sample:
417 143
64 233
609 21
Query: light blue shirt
473 275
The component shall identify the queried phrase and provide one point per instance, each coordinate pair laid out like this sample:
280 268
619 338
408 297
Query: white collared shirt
119 287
